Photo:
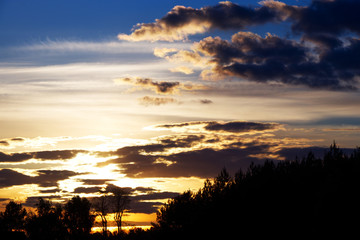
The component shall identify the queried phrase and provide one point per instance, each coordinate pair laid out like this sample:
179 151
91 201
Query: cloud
164 88
333 17
87 190
179 55
162 52
182 21
199 150
202 163
18 139
156 101
291 153
241 126
57 154
182 69
140 204
224 127
41 155
206 101
323 59
4 143
45 178
15 157
273 59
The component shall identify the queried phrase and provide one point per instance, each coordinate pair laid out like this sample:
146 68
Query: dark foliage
78 218
290 199
57 222
12 221
47 223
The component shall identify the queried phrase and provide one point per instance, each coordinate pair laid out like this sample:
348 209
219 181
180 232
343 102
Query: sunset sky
157 96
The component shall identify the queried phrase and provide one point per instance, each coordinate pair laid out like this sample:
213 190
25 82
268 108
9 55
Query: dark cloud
145 189
141 203
144 207
300 153
162 87
4 143
332 64
232 127
203 163
42 155
251 57
15 157
153 161
18 139
155 196
87 190
328 17
57 154
33 201
178 125
158 87
206 101
48 191
183 21
45 178
324 41
95 181
210 146
7 142
240 126
321 16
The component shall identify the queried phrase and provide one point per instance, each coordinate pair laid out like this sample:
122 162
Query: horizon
157 97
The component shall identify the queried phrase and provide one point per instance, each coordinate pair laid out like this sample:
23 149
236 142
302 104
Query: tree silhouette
78 218
47 223
119 201
13 218
101 207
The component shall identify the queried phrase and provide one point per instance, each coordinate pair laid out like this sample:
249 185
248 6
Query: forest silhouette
303 198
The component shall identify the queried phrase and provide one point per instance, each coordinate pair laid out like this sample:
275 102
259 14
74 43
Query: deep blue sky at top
28 21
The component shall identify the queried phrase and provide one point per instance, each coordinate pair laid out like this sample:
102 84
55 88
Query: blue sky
88 100
30 21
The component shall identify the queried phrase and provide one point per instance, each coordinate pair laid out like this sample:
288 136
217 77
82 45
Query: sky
157 96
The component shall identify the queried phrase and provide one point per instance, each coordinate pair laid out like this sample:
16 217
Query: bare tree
102 208
119 202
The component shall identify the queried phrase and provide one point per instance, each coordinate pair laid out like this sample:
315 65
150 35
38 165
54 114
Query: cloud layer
45 178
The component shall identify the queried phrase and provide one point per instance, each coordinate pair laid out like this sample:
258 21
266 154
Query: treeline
300 199
71 221
307 198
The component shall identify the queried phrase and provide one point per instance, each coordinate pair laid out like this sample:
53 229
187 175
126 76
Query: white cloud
105 47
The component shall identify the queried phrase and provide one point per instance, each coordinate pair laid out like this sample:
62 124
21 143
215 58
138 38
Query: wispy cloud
156 101
163 87
239 127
